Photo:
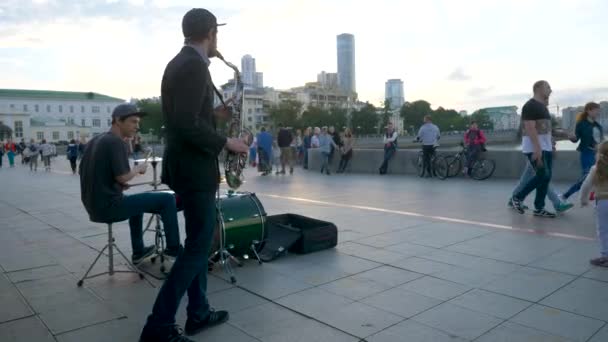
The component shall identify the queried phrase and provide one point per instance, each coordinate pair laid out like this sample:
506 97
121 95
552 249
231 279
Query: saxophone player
190 168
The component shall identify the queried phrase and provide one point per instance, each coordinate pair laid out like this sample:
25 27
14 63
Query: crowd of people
33 151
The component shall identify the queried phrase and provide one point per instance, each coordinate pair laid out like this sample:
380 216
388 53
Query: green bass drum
243 219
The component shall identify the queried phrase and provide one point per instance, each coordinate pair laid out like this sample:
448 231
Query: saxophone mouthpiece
219 55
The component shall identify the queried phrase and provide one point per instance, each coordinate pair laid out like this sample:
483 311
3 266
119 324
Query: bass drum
244 221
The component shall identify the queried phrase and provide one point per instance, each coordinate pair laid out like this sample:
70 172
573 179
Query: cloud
458 75
479 91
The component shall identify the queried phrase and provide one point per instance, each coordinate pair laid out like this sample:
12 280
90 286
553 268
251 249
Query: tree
286 113
413 113
314 117
386 114
483 119
448 120
365 120
154 119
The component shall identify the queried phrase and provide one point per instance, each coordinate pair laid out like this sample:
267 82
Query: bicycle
481 169
438 164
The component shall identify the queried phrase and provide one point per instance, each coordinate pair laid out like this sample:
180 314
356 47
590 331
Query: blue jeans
306 158
189 272
601 212
133 207
587 161
11 158
527 176
540 181
388 154
325 164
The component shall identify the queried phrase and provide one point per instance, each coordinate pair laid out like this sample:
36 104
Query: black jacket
584 133
192 142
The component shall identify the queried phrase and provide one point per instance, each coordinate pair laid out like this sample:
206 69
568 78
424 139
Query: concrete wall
509 164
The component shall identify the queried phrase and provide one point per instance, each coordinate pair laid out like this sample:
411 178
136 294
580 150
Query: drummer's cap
125 110
197 23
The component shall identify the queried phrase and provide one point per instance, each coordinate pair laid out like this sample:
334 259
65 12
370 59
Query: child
597 181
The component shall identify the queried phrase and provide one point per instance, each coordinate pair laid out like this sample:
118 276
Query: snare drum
244 218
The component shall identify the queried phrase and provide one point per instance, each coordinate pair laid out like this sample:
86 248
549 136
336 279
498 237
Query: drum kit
240 232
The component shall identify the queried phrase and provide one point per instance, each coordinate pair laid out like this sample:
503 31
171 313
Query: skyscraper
250 77
393 91
346 63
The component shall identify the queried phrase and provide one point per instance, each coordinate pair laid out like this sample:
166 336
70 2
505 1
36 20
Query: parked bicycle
481 169
438 164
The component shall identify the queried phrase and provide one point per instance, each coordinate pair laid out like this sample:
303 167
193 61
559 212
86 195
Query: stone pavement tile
37 273
114 330
349 235
401 302
420 265
409 249
26 260
314 302
316 274
215 284
270 323
557 322
341 262
369 253
354 288
359 319
435 288
513 247
388 275
235 299
413 331
531 284
386 239
12 304
601 336
440 235
458 321
597 273
465 276
267 283
511 332
25 330
582 296
125 294
472 262
491 303
572 260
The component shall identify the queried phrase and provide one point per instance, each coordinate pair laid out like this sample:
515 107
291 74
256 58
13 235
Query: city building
569 115
346 63
393 91
328 80
251 78
313 94
503 118
254 113
55 115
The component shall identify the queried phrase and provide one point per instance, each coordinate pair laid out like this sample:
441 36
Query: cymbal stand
224 255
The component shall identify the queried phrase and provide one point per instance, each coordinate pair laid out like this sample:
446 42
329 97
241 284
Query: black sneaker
601 262
138 258
517 205
193 327
174 334
543 213
510 204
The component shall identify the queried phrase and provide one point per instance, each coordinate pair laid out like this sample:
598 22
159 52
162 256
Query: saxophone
236 162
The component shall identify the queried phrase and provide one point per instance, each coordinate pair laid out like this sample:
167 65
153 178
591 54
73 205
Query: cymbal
157 159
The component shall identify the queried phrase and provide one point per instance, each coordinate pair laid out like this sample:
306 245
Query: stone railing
509 164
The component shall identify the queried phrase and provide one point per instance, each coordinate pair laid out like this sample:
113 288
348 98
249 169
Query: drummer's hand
236 145
141 168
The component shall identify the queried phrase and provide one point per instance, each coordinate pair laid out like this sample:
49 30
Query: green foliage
154 119
285 113
365 120
413 113
386 114
446 119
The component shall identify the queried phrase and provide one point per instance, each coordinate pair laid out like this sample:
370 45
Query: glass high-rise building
393 91
346 63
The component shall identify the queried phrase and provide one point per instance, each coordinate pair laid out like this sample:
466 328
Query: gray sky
458 54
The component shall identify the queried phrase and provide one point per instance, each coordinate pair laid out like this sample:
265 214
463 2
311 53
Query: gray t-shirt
105 158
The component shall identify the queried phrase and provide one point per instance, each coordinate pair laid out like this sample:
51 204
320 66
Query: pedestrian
33 150
22 146
72 155
253 152
11 150
347 150
264 152
277 161
537 146
81 146
597 181
429 135
326 142
390 147
299 143
590 134
284 141
474 140
314 140
307 144
337 142
1 153
47 152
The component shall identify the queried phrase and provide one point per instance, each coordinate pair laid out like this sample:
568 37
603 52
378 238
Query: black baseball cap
125 110
197 22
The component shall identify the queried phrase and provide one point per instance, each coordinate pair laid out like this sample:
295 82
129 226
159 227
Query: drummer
104 175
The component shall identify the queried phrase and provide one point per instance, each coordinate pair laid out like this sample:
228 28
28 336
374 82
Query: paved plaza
417 260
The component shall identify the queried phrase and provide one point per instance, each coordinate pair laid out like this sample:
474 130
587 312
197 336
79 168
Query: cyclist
474 140
429 136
